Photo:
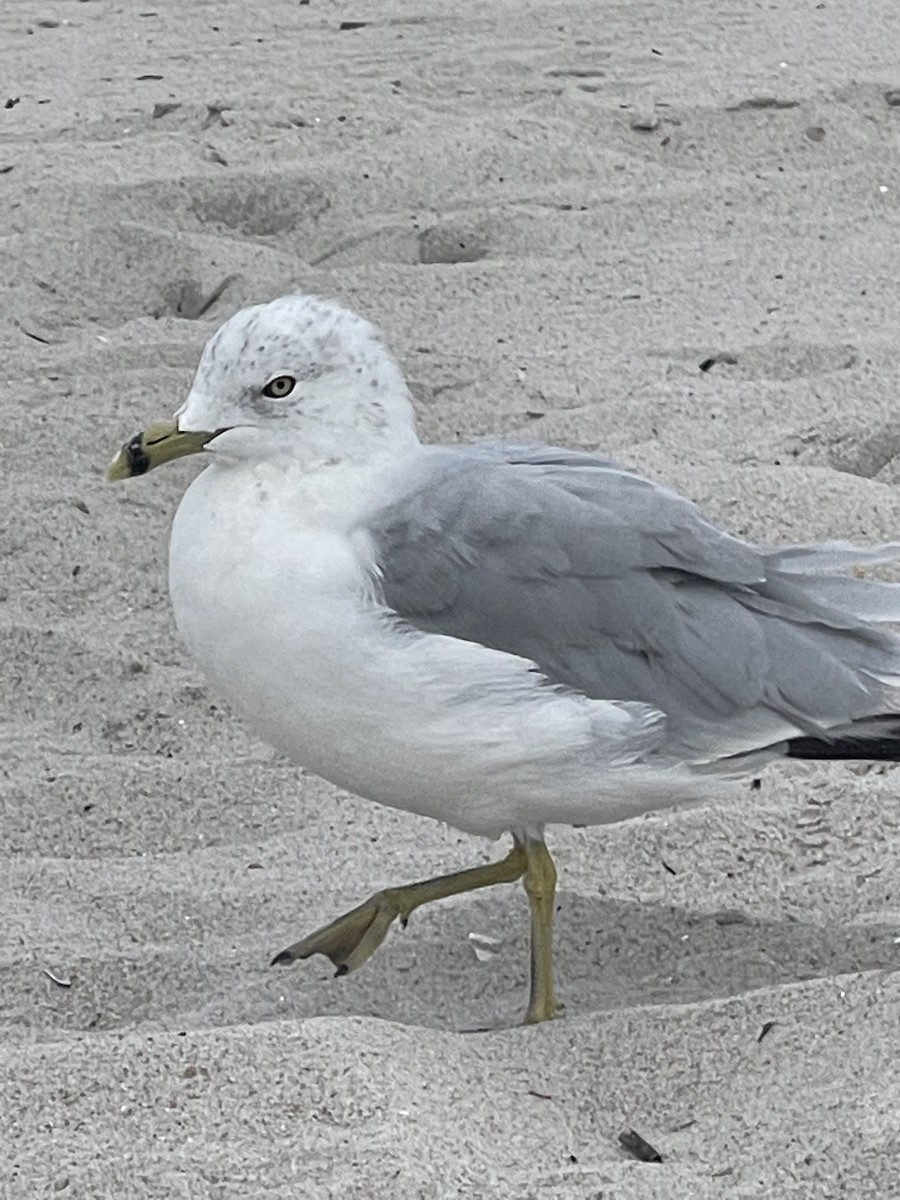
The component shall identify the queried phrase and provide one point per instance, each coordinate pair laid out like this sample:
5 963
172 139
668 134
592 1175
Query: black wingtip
282 959
844 750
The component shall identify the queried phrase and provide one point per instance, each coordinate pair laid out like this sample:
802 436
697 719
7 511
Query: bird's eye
279 387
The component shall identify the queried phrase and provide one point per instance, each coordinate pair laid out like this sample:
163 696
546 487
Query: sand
556 213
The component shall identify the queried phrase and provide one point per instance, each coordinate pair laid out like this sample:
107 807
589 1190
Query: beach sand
558 214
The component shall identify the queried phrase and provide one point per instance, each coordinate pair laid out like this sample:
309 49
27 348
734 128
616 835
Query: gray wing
621 589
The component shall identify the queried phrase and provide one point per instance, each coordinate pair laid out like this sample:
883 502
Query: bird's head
298 376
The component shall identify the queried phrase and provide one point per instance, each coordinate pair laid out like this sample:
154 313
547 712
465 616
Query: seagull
502 636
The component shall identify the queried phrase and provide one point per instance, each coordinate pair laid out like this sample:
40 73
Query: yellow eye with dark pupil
278 388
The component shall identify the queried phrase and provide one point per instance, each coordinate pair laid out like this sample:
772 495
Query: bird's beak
157 444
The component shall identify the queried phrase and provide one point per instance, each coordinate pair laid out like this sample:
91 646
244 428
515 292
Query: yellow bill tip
119 468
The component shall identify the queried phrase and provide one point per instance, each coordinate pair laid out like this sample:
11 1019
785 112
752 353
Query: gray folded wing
621 589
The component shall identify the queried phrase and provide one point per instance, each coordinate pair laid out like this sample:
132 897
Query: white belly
277 608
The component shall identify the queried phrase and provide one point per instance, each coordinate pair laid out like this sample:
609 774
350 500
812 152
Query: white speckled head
303 376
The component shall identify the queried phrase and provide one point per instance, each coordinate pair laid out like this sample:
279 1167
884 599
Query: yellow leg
540 886
354 937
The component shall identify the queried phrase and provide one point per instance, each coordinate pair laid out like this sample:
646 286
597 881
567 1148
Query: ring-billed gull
502 635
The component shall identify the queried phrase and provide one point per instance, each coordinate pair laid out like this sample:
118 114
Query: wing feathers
623 590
